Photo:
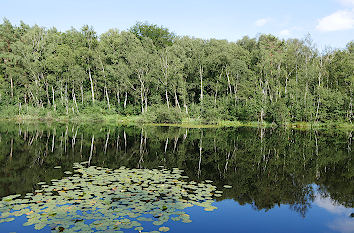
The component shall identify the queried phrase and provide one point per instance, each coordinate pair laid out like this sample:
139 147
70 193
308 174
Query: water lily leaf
186 220
145 219
39 226
6 220
210 208
157 223
93 198
164 229
11 197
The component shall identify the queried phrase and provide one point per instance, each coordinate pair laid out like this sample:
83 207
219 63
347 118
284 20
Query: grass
321 125
115 119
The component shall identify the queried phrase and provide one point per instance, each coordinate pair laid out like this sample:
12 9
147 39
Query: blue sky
330 22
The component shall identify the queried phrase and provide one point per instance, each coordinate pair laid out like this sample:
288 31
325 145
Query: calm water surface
281 180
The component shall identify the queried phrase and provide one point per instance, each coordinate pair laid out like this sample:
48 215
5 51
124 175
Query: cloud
285 32
347 2
339 20
342 225
329 205
262 22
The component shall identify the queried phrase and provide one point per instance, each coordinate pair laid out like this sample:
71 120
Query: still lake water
234 179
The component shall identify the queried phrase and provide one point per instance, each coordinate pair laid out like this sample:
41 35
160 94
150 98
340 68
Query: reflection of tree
265 167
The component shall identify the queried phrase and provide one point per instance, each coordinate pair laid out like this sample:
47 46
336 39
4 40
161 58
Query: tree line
134 71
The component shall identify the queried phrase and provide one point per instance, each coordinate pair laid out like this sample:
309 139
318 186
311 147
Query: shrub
130 110
278 113
210 112
162 114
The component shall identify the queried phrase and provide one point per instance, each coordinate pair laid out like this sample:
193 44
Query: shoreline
119 120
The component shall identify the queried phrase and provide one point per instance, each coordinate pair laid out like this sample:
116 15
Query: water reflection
342 222
266 168
100 199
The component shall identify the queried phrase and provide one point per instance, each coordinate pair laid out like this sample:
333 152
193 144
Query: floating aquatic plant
101 199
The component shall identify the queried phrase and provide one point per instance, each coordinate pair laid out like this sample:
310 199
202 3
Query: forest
149 71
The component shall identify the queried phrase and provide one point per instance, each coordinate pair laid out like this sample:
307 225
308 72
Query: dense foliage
127 72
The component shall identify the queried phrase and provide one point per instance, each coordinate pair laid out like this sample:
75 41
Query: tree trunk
185 106
167 101
201 83
320 73
229 90
105 85
318 108
47 93
91 82
176 100
11 148
53 96
141 93
235 92
74 98
350 112
106 92
200 154
91 151
61 94
146 102
106 144
166 145
216 91
118 99
12 87
82 94
125 99
66 100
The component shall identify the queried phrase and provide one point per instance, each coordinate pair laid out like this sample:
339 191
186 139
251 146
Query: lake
100 178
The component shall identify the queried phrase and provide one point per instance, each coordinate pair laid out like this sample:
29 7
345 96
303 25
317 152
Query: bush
278 113
162 114
130 110
210 112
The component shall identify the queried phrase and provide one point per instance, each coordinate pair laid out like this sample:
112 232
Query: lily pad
164 229
101 199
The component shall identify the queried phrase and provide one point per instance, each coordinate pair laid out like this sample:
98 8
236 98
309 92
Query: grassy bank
115 119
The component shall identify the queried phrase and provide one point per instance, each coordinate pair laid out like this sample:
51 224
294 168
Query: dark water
282 180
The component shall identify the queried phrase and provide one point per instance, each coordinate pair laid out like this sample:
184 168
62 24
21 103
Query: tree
160 36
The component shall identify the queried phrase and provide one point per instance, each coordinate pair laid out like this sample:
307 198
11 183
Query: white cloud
262 22
347 2
342 225
328 204
339 20
285 32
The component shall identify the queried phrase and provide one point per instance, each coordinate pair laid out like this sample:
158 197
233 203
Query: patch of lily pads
101 199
